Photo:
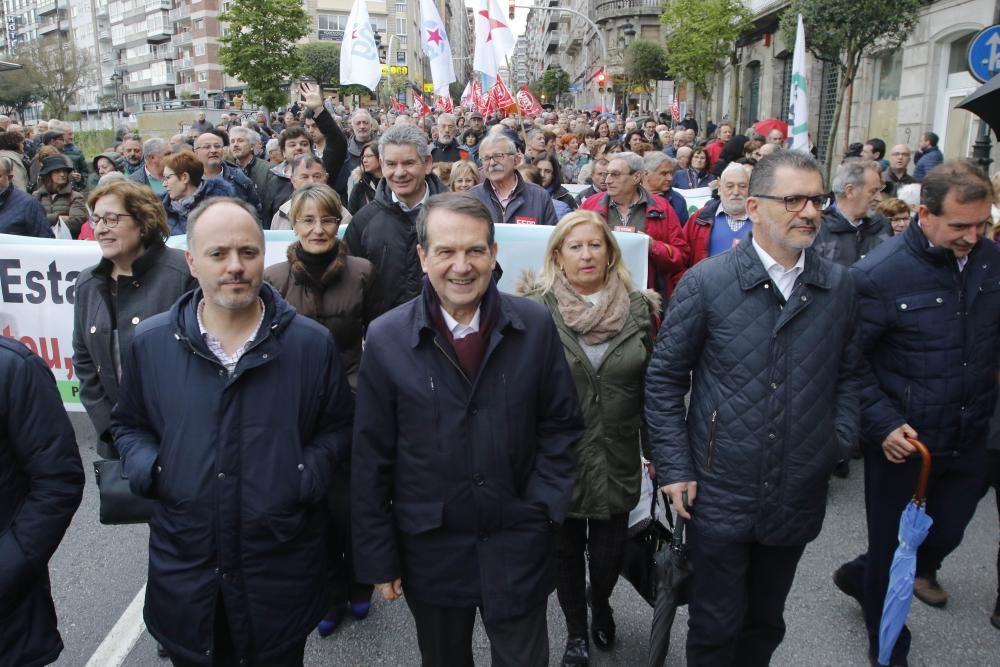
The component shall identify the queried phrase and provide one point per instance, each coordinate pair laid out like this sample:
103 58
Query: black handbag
119 506
639 562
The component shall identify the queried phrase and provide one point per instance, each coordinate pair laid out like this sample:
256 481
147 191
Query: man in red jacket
629 207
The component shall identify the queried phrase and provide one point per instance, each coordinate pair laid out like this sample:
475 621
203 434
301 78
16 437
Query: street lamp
628 34
116 79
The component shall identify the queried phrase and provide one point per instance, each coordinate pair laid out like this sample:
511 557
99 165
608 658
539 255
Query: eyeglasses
496 157
900 218
619 174
110 220
326 221
796 203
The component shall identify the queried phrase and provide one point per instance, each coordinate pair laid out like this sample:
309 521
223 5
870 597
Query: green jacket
67 203
611 398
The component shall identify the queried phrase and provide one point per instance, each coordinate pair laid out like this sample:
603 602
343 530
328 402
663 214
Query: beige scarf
598 322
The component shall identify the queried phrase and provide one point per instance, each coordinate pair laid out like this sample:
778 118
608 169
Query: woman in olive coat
607 330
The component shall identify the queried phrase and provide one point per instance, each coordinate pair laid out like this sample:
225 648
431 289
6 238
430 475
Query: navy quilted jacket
773 394
931 335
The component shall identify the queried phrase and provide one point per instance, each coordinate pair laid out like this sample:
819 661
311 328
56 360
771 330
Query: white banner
37 285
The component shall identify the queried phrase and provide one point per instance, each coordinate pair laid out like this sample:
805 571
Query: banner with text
37 285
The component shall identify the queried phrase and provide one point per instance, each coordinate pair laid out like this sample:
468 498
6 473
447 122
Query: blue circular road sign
984 54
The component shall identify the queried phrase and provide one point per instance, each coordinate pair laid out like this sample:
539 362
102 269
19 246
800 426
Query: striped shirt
215 345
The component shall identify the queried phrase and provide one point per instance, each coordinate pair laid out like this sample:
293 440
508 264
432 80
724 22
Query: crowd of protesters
373 415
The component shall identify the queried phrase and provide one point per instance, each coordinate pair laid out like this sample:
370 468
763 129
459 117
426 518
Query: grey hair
852 172
445 117
304 160
634 161
461 203
404 135
153 146
199 210
7 165
653 159
733 168
361 112
246 133
762 177
496 137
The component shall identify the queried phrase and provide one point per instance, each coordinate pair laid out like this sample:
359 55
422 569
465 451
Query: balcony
159 34
181 38
552 45
190 87
102 11
611 9
184 63
46 8
180 13
52 26
149 8
104 34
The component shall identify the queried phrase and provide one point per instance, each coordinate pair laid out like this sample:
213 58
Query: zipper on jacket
711 440
906 402
451 361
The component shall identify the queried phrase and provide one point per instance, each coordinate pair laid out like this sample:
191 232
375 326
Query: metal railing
610 8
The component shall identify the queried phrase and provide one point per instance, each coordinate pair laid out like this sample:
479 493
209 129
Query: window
958 55
890 73
199 24
786 85
199 49
202 76
400 25
332 21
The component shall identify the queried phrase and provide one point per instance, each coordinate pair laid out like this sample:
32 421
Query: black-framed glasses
110 220
496 157
796 203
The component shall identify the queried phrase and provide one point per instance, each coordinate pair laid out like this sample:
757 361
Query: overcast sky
520 15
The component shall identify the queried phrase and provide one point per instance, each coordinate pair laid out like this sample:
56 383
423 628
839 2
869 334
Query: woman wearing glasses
137 277
323 282
366 177
186 187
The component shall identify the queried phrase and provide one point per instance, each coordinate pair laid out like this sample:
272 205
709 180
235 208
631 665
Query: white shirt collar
961 261
423 200
784 280
459 330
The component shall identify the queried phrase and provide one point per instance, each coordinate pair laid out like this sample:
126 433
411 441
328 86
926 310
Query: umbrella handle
925 470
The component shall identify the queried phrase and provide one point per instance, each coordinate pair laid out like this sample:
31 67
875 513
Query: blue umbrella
913 527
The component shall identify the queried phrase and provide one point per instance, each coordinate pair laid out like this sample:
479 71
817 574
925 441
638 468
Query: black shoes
577 652
843 469
602 627
160 651
848 585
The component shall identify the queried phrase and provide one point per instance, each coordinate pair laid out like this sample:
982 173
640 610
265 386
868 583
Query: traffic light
601 79
511 7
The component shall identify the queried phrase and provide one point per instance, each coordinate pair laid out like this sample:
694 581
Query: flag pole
520 116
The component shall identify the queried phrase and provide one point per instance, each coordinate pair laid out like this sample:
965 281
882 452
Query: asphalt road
98 570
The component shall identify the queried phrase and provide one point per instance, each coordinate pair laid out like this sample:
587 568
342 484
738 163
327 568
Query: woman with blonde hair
324 283
464 176
607 328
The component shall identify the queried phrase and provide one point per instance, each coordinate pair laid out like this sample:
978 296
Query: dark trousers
955 487
737 602
225 653
602 543
995 465
444 635
344 586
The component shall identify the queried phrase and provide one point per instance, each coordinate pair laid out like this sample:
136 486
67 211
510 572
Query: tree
643 64
259 48
843 32
553 82
321 62
59 70
17 92
701 35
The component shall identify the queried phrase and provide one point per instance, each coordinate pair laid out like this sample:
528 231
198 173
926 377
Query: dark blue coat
456 484
21 214
242 186
241 466
41 484
210 187
773 403
530 204
931 335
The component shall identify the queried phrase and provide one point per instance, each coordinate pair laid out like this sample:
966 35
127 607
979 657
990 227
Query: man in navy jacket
463 458
929 317
233 414
41 484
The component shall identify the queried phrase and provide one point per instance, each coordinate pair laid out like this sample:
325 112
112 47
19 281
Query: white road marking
123 637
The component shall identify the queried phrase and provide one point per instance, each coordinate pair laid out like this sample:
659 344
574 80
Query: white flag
434 41
359 62
798 104
494 38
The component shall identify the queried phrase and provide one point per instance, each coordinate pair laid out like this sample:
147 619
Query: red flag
398 106
422 108
444 104
529 105
480 100
675 111
501 97
466 99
